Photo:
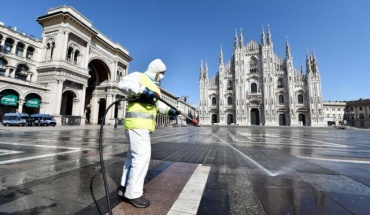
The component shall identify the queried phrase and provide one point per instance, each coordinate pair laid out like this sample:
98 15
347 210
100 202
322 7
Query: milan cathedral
257 87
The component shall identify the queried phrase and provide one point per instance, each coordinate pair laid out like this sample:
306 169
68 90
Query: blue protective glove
149 96
172 113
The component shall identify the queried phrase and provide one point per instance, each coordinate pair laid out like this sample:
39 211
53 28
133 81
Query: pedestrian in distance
143 105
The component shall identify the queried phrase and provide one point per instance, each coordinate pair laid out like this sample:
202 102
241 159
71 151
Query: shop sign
11 100
33 103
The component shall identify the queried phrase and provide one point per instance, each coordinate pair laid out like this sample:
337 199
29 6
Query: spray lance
194 121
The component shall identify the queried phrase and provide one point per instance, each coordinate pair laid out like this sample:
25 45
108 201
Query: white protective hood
155 67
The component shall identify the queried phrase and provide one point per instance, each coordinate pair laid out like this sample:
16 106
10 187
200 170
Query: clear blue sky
182 32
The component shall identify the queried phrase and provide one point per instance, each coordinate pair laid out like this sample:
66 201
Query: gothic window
253 88
213 100
253 65
229 85
300 99
280 83
229 100
281 99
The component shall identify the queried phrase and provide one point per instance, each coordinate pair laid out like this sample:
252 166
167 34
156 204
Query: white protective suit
137 160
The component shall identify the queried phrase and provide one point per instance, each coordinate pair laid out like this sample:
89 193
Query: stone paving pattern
253 170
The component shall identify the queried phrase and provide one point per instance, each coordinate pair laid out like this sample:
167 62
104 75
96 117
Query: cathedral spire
314 62
287 49
269 40
241 38
236 40
301 68
201 76
263 39
206 65
308 63
201 70
206 70
221 59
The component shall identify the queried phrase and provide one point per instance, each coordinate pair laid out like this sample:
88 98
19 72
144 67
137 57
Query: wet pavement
194 170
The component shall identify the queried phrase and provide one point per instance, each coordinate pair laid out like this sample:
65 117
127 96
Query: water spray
268 172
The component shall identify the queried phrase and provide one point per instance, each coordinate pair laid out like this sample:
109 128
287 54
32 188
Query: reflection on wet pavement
254 170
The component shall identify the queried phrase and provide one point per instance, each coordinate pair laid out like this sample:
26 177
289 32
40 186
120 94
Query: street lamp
184 98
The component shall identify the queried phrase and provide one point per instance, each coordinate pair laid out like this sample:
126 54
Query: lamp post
185 108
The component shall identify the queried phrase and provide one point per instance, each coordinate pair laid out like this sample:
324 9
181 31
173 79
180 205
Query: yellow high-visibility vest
142 115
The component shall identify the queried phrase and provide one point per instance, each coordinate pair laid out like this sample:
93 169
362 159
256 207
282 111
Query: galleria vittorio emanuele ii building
72 72
257 87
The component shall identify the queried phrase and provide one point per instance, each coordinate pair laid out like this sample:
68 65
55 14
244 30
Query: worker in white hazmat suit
143 105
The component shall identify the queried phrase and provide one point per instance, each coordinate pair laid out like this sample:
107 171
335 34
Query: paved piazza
194 170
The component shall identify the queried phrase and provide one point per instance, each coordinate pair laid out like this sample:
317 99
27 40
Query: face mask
159 79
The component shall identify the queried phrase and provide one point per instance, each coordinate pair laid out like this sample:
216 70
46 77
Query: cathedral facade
257 87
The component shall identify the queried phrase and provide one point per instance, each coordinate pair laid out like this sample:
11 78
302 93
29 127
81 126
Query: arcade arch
96 91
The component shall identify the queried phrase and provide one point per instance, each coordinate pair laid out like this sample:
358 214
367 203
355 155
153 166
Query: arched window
69 54
2 63
50 45
253 65
19 49
30 51
8 45
21 72
1 42
280 83
281 99
300 99
213 100
229 100
2 67
253 88
76 57
119 76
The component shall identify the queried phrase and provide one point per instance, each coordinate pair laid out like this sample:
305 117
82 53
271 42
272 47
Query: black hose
101 155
